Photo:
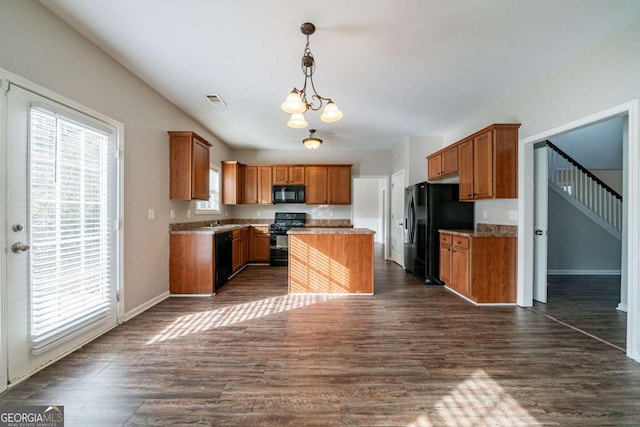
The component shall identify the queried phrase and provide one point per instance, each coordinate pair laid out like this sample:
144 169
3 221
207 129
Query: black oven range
278 239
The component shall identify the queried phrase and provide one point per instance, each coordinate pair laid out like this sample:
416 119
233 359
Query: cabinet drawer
446 238
461 242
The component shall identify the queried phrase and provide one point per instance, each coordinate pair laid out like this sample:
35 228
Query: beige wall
40 47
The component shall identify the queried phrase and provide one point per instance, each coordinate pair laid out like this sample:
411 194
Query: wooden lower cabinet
191 264
259 244
481 268
240 248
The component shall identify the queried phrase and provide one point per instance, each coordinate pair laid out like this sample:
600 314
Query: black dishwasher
224 257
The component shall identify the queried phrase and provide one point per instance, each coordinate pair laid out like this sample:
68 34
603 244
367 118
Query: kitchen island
331 260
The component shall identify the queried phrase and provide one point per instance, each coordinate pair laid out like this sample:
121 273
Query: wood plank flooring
412 355
589 304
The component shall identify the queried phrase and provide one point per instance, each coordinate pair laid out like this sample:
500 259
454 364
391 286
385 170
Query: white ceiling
396 68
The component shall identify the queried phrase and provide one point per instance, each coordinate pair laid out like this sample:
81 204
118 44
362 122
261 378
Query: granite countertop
479 233
330 230
218 229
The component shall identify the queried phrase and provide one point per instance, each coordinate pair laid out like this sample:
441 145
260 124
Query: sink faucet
215 223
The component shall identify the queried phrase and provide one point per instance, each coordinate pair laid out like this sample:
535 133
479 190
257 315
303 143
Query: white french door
62 257
397 218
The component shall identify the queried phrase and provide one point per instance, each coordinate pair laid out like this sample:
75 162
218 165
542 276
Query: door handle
539 232
20 247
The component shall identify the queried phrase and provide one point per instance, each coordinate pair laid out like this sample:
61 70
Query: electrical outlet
513 215
485 215
188 213
172 213
152 213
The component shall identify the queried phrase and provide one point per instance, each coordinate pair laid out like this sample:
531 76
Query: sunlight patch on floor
221 317
478 401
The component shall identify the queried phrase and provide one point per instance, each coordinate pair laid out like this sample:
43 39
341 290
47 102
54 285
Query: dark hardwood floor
587 303
412 355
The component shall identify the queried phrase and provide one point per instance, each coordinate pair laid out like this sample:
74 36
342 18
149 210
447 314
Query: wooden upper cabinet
288 174
251 184
488 163
188 166
442 163
265 182
328 184
316 185
340 185
465 169
233 175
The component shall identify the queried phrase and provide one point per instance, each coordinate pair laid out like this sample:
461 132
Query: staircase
584 190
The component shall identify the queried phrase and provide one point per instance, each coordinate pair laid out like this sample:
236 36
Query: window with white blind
211 206
72 215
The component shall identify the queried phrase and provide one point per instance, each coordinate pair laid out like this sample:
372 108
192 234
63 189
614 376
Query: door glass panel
71 227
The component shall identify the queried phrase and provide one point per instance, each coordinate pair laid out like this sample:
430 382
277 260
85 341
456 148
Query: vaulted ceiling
396 68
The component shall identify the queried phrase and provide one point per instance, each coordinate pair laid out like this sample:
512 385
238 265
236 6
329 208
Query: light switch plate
152 213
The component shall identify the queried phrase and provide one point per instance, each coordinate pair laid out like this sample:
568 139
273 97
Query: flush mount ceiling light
312 142
297 102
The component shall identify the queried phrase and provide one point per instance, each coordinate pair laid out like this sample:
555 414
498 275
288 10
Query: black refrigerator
429 208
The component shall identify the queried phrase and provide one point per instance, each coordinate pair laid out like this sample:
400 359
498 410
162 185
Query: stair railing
573 178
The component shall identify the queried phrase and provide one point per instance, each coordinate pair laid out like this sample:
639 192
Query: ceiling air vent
215 100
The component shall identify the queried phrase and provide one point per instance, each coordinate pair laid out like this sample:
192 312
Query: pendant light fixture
312 142
297 102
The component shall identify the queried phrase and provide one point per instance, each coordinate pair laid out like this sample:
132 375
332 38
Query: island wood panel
191 263
331 263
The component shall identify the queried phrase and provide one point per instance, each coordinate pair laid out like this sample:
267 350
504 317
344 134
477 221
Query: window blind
72 211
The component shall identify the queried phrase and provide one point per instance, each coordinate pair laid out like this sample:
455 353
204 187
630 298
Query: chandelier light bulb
331 113
293 104
297 121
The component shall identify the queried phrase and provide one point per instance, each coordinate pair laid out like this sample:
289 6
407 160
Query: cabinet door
316 185
232 183
264 184
434 167
251 184
280 174
200 170
445 259
259 244
465 169
483 166
296 175
339 192
460 264
236 262
450 161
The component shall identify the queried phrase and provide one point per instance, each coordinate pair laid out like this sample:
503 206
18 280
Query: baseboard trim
622 307
586 272
147 305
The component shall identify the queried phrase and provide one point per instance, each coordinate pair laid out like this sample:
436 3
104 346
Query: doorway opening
628 247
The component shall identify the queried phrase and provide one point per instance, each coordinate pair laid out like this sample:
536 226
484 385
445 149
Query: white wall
40 47
410 155
576 244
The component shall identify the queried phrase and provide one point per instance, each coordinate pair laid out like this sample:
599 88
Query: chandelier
312 142
297 102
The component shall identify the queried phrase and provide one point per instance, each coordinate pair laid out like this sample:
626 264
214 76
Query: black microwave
288 194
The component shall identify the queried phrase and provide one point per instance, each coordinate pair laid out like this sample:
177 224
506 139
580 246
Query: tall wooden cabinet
481 268
188 166
328 184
